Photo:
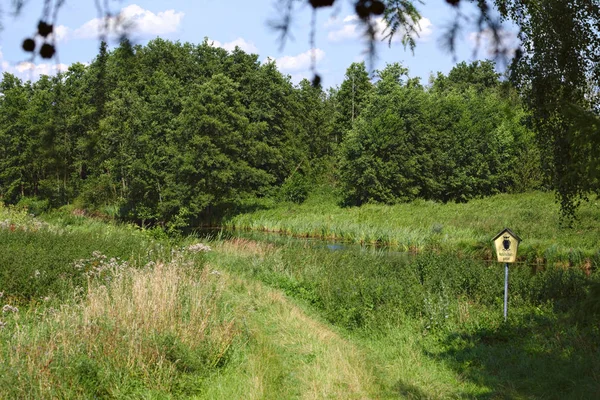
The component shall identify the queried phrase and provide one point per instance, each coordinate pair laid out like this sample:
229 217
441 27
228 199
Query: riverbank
420 226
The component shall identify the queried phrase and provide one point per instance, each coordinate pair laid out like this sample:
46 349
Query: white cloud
296 78
133 20
299 62
506 42
334 21
248 47
351 29
60 33
425 28
347 31
30 71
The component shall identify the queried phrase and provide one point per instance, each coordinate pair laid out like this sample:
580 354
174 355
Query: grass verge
156 324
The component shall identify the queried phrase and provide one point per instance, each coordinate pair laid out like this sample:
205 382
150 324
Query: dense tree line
166 132
554 67
170 133
465 136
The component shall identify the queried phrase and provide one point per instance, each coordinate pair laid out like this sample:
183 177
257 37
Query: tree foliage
557 72
351 98
167 133
172 134
91 135
452 142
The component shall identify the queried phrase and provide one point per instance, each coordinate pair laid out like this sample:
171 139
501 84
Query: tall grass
158 329
93 309
39 259
158 323
426 225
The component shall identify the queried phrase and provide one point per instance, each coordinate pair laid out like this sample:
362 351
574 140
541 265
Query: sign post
505 291
506 244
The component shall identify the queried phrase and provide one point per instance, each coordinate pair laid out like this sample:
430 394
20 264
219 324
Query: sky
245 24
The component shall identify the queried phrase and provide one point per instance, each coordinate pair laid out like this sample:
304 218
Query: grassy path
289 354
293 354
453 345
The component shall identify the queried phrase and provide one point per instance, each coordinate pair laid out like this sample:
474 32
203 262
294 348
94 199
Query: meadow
93 309
431 325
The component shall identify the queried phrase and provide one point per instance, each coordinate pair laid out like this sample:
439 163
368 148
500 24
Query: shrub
33 205
295 188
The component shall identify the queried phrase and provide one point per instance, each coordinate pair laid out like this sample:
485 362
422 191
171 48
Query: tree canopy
173 134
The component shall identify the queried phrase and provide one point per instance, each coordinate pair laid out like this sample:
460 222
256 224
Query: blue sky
241 23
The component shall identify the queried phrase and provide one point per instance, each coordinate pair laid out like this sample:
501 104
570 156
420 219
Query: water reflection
282 239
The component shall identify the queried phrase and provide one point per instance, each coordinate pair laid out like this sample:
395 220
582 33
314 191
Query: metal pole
505 291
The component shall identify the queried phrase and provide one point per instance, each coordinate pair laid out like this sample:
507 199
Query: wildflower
2 324
8 308
215 272
198 247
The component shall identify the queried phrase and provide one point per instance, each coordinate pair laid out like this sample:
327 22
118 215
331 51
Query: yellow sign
506 243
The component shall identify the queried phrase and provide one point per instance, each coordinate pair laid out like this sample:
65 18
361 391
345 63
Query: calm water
278 238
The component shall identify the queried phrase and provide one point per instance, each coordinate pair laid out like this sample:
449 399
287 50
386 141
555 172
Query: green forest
174 135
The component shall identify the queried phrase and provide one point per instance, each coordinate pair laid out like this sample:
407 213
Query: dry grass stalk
246 247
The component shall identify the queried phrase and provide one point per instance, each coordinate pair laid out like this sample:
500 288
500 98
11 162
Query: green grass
160 322
431 326
289 319
38 258
425 225
98 310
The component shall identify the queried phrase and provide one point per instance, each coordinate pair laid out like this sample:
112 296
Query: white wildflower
8 308
198 248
